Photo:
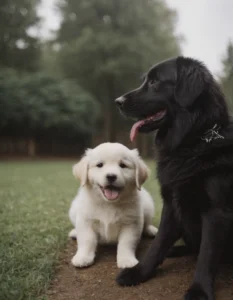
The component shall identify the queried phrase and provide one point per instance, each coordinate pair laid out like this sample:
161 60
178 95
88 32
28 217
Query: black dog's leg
215 228
169 232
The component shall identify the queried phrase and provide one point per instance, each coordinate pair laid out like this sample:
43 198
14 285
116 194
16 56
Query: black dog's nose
119 101
111 177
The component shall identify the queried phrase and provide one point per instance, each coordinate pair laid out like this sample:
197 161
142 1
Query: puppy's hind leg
148 214
72 234
150 230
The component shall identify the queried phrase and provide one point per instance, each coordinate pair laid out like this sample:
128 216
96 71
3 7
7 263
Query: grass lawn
34 201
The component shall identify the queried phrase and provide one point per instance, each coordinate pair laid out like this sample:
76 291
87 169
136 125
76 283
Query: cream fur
99 220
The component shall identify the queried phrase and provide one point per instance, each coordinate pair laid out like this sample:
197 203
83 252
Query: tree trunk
110 116
31 147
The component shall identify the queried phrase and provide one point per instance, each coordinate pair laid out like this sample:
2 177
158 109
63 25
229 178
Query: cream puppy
111 206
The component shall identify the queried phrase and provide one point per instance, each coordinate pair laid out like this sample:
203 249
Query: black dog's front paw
130 276
196 292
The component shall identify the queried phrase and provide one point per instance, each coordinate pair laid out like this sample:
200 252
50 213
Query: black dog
181 100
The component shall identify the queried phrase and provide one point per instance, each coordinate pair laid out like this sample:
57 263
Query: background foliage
18 48
63 89
227 76
113 43
56 88
42 104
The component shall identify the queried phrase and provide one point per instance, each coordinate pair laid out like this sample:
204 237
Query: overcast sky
207 26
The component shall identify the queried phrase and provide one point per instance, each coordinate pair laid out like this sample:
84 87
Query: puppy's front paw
196 292
151 230
130 277
126 262
82 260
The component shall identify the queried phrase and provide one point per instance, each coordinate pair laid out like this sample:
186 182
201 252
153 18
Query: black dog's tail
179 251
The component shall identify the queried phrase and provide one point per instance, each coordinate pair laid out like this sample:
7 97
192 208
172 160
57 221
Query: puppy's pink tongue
111 194
134 129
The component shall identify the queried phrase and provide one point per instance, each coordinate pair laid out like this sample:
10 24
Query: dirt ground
98 281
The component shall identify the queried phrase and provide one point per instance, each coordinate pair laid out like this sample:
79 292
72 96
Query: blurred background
63 62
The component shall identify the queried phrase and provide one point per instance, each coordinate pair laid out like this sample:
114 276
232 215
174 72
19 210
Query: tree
18 49
44 106
106 45
49 59
227 77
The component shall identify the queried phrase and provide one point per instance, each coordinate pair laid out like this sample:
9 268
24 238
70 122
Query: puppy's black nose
119 101
111 177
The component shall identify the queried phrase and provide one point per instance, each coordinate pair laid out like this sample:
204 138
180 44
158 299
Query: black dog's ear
190 82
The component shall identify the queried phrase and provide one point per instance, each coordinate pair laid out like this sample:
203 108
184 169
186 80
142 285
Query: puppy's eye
122 165
99 165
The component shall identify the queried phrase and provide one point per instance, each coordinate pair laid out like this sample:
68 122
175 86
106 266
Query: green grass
153 187
34 201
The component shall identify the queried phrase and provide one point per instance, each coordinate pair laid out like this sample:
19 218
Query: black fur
196 176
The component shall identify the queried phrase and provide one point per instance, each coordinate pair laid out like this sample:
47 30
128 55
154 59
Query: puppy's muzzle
111 178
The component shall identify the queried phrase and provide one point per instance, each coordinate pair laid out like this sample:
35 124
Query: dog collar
212 134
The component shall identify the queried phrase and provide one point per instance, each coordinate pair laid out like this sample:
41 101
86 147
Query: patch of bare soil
98 281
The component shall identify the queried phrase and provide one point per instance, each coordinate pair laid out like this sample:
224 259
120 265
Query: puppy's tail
179 251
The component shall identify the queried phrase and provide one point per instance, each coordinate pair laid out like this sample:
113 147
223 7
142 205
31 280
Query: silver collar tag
212 134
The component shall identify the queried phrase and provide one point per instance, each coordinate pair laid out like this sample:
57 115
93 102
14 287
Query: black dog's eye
122 165
153 82
99 165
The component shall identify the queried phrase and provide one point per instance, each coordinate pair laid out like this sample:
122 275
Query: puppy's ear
80 170
190 81
142 171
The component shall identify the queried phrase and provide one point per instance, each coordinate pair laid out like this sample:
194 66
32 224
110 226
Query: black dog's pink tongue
134 129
